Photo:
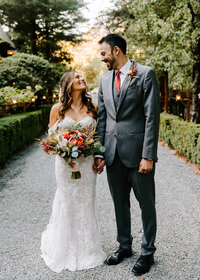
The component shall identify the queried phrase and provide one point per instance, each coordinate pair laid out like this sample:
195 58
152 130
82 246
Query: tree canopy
165 35
38 25
22 70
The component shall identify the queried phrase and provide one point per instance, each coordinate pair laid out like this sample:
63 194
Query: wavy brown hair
66 96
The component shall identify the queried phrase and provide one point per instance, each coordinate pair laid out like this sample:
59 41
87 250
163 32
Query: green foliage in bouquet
72 143
183 136
18 130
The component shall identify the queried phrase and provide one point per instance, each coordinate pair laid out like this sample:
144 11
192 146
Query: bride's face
78 84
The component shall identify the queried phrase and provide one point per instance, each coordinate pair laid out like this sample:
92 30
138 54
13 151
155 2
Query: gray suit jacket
133 127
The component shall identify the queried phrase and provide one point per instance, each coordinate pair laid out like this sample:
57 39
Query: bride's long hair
66 96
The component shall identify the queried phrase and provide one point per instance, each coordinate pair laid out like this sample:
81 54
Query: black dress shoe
118 256
143 265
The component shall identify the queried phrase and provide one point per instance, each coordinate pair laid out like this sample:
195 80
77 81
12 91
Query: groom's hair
114 40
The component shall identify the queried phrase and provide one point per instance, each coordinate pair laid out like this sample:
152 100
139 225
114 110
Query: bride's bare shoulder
56 107
54 113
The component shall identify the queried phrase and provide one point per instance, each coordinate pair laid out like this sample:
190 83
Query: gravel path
26 194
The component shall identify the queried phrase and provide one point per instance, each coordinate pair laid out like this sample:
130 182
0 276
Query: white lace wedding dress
72 239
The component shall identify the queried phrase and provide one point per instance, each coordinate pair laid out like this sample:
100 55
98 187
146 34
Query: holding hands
98 165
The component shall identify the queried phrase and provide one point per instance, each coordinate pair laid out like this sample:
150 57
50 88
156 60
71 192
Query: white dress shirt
124 71
122 75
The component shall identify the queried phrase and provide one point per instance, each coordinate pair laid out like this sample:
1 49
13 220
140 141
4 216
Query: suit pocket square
133 85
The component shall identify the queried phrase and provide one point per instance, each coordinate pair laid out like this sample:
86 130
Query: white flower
28 87
199 95
38 87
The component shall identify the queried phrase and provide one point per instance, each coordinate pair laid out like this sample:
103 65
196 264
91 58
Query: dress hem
45 258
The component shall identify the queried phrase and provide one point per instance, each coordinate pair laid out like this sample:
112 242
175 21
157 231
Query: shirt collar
126 67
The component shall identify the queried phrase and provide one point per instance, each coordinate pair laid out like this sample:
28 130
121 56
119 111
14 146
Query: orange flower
66 135
79 142
132 72
73 141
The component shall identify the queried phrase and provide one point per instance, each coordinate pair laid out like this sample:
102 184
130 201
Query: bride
72 240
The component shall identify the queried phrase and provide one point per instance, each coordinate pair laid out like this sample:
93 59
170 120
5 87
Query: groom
128 112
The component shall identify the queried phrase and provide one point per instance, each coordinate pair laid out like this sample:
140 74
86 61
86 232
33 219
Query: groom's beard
111 63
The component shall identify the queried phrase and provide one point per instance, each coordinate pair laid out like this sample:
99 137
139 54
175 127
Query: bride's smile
79 83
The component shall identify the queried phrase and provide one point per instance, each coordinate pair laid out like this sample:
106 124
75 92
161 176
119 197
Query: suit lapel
123 89
110 89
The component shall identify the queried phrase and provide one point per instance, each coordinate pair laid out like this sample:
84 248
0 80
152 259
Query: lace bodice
67 122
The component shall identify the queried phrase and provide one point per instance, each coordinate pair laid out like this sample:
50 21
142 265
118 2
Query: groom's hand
146 165
98 165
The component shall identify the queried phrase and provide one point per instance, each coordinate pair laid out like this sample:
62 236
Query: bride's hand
98 165
72 163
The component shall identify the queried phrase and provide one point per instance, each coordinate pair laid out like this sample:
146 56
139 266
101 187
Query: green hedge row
182 136
18 130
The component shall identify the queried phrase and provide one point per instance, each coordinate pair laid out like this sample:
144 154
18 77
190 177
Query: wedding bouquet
72 143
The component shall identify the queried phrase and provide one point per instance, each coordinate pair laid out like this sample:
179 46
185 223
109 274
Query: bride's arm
99 159
53 119
95 107
54 115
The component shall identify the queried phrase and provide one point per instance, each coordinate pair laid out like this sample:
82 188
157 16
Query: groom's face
107 55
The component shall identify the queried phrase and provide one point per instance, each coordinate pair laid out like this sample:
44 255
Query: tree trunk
34 38
47 47
195 110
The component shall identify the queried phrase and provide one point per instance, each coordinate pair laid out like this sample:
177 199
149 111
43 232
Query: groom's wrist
99 156
148 158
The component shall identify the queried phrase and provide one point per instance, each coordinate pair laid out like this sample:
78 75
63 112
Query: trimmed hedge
18 130
182 136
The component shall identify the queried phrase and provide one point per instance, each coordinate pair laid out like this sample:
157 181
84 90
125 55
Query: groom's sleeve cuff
98 156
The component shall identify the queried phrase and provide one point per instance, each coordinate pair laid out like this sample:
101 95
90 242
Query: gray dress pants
121 180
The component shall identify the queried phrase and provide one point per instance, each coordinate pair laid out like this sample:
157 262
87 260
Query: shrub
18 130
23 70
182 136
7 94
